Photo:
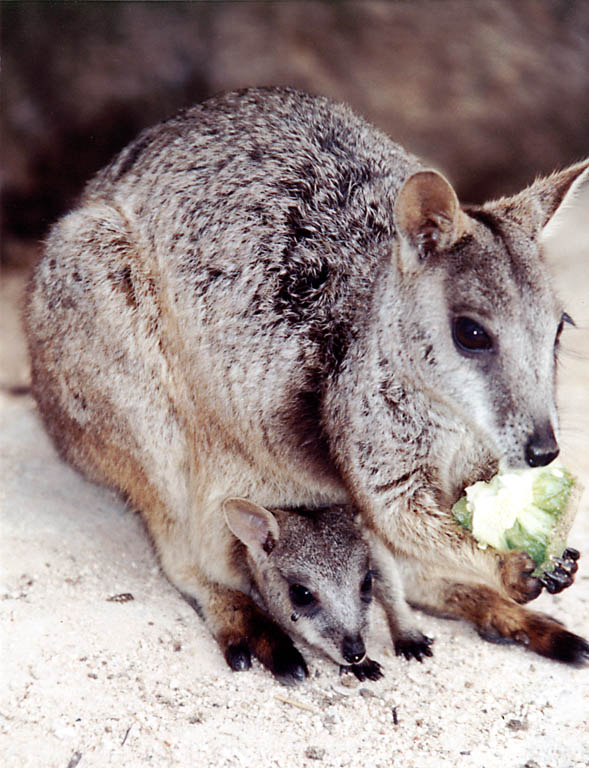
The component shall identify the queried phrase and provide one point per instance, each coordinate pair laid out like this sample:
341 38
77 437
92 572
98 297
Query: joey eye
300 596
470 336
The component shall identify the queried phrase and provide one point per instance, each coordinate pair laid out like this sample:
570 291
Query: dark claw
568 566
238 657
414 648
555 582
368 669
563 574
571 554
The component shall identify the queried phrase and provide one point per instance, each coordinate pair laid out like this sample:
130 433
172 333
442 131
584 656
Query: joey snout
354 652
353 649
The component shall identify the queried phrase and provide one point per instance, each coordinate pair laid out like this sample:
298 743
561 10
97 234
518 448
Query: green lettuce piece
528 509
535 544
462 513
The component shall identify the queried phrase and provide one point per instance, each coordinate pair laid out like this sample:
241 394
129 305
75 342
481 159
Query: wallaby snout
542 447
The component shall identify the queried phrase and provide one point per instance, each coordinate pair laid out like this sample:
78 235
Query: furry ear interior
555 192
427 213
536 207
255 526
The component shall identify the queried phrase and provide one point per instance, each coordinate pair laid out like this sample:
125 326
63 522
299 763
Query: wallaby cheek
527 417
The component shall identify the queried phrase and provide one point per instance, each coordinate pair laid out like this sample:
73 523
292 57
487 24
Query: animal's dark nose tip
353 649
542 448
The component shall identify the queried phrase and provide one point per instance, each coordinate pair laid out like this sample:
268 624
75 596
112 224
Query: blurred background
492 92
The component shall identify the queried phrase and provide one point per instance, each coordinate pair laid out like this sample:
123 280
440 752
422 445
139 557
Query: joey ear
427 213
255 526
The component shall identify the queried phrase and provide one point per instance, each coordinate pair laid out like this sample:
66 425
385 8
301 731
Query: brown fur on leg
500 620
245 629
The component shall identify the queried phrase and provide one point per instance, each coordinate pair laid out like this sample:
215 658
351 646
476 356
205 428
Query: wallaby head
312 571
482 320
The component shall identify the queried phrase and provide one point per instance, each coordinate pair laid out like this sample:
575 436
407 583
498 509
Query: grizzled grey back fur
286 255
256 299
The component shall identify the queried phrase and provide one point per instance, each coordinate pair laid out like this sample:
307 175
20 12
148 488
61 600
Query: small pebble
315 753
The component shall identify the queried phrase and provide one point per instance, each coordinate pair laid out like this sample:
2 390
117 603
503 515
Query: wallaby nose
353 649
542 448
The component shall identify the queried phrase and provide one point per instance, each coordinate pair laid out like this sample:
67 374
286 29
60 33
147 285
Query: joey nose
353 649
541 448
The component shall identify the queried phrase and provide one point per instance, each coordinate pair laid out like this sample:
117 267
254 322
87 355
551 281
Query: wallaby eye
564 319
366 585
366 588
300 596
470 336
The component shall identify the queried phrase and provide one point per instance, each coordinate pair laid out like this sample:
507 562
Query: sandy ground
92 679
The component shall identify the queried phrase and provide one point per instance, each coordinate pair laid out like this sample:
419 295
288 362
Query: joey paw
238 656
285 662
415 646
516 573
366 670
563 573
288 666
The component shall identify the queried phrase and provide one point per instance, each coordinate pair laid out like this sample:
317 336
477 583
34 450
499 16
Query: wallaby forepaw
366 670
563 573
238 657
516 572
414 646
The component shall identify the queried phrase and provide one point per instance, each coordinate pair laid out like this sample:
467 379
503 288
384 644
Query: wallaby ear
556 192
255 526
427 213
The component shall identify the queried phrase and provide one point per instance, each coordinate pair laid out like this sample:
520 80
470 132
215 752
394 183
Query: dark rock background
490 91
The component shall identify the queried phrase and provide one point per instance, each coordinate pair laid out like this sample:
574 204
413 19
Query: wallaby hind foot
501 620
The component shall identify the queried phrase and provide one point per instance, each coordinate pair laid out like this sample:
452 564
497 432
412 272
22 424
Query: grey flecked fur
255 298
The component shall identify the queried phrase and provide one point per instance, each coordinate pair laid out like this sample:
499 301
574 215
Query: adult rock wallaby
265 297
311 571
